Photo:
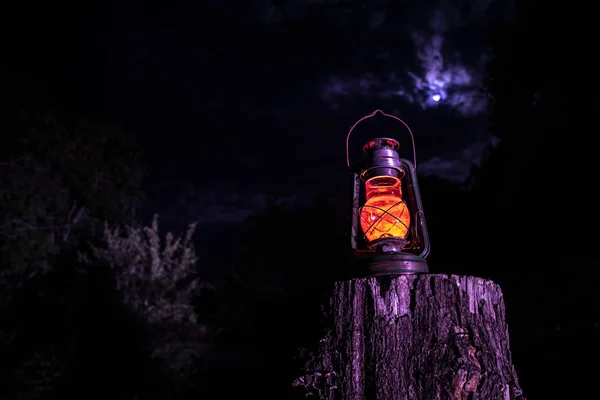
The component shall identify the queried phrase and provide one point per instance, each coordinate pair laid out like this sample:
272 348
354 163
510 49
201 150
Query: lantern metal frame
389 256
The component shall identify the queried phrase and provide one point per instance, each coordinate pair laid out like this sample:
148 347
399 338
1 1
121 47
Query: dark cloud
207 206
434 73
456 166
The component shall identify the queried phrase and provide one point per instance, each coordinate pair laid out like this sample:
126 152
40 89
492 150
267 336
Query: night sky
242 102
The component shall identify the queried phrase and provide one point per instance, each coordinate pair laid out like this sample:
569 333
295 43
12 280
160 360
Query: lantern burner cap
381 143
381 159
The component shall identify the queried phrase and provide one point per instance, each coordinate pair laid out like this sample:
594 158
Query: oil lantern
388 228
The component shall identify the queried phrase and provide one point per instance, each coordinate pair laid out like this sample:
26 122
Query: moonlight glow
436 97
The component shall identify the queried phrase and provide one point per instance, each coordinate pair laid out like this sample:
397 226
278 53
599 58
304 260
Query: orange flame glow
384 215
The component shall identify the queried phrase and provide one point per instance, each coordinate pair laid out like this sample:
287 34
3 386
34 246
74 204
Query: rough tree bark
412 337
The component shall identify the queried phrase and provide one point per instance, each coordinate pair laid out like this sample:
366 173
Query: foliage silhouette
533 199
65 331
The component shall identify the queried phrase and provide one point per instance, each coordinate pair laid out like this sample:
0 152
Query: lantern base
395 264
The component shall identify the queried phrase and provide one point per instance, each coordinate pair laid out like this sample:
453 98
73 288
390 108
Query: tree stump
412 337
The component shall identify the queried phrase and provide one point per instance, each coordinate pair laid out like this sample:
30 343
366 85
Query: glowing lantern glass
389 230
384 215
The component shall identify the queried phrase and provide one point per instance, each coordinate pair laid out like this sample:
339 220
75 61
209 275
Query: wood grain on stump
413 337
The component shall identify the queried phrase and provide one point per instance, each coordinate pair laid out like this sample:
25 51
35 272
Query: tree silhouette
60 181
534 201
157 281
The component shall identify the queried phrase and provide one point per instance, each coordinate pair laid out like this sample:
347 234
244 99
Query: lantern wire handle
412 137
